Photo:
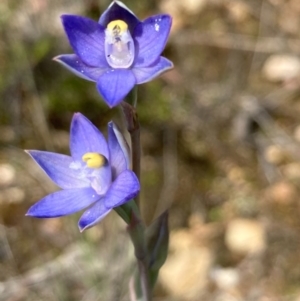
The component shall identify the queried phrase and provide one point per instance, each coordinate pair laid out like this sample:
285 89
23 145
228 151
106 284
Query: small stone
281 67
185 273
16 195
7 174
297 133
236 175
283 193
288 19
188 6
225 278
245 236
12 195
193 7
292 171
51 226
238 10
274 154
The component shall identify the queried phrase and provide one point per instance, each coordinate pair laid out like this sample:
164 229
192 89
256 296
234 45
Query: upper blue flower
97 173
117 52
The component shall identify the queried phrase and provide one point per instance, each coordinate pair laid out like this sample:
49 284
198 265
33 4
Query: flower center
94 160
119 45
97 171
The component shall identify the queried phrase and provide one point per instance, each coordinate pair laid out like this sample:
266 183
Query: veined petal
151 36
86 138
145 74
63 202
87 39
57 167
119 150
119 11
74 64
93 215
115 84
124 188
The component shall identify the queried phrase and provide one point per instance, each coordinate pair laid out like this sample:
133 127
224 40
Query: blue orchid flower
96 175
117 52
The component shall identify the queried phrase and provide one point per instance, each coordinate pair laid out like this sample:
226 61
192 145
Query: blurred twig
168 191
236 41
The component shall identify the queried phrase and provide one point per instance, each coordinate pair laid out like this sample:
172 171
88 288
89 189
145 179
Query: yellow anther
94 160
117 27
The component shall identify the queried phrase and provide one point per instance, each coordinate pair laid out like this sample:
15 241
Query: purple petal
74 64
101 179
86 138
115 84
119 150
151 36
87 39
63 202
146 74
119 11
57 167
123 189
93 215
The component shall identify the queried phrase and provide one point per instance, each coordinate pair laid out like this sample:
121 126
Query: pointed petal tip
30 212
85 137
31 152
77 116
82 228
66 17
117 10
57 58
92 216
120 4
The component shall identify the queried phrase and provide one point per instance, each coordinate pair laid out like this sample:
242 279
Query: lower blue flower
96 175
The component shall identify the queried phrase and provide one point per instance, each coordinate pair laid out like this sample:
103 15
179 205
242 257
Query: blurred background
221 146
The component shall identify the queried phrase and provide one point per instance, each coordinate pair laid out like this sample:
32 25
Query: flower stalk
133 127
136 228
